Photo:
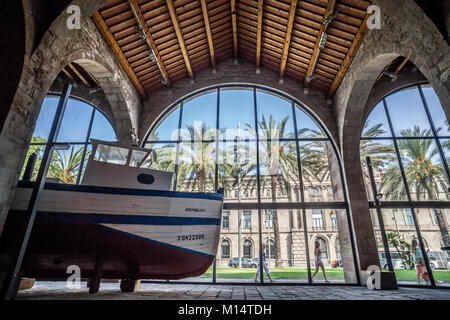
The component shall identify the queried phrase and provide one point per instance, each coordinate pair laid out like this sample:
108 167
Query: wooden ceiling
159 42
77 74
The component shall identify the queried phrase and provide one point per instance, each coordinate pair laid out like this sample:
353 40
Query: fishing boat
122 222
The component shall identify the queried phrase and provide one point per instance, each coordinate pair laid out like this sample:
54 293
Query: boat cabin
114 165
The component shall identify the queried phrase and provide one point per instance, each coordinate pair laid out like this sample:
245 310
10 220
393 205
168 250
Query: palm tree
380 154
423 176
279 162
165 158
198 158
66 167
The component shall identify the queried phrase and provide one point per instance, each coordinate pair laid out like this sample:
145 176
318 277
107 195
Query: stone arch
59 47
118 109
108 80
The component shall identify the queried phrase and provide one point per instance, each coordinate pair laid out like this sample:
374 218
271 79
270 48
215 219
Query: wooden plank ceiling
159 42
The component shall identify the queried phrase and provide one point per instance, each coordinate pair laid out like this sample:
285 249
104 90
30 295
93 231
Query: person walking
318 261
266 269
419 262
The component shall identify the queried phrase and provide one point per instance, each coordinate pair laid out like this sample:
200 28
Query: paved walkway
158 291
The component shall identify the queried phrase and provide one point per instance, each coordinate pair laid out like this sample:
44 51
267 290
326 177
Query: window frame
83 144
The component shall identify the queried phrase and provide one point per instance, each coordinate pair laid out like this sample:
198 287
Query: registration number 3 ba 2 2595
191 237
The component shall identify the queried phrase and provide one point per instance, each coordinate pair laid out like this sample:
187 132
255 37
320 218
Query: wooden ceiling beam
176 24
79 75
106 33
400 67
68 74
235 33
287 41
208 32
349 57
259 33
316 52
149 39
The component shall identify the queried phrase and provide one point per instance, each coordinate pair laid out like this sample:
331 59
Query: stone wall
59 47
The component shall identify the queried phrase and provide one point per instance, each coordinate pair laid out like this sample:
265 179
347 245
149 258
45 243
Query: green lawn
276 273
410 275
296 273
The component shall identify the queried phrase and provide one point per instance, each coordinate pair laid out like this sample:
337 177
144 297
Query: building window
270 249
248 249
409 217
246 194
225 247
317 218
268 219
314 191
435 219
225 219
334 220
247 219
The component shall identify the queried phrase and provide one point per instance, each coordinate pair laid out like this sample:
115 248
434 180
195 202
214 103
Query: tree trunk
276 226
201 179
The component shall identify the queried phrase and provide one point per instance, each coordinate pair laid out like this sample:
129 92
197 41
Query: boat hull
173 238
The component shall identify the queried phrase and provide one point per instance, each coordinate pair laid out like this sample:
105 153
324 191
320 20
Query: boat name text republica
194 210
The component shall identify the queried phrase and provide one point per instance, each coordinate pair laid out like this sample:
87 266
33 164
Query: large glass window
406 136
81 122
270 154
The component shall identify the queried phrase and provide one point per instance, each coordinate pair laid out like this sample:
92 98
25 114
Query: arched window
81 122
225 249
258 143
407 137
248 249
323 247
270 249
203 129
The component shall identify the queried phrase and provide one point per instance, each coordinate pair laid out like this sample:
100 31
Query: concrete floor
163 291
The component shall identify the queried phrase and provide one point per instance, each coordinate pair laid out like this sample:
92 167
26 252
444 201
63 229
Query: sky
75 125
236 107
